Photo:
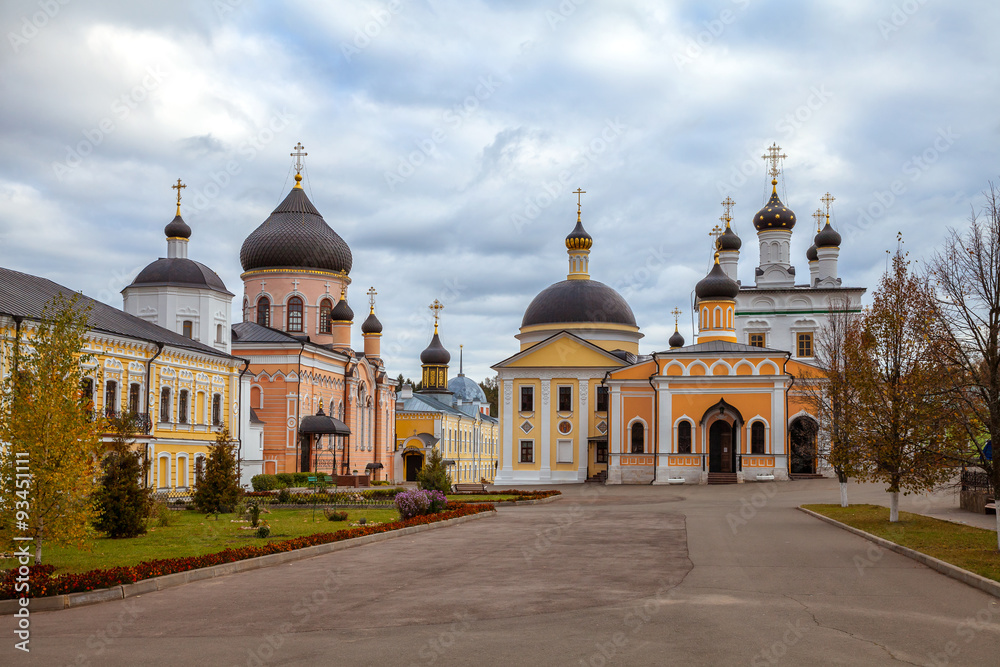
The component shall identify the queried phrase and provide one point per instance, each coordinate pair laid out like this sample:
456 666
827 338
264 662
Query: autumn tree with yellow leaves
48 462
901 400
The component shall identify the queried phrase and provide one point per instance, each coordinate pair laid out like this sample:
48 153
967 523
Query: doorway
414 463
802 437
721 450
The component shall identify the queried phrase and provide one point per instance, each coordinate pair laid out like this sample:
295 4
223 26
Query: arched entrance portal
414 462
721 447
802 446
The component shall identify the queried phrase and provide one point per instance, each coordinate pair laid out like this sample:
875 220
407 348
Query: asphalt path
731 575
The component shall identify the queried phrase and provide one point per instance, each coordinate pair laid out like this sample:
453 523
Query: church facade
579 402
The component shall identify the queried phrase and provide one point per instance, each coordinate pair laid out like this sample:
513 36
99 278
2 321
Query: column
544 440
583 424
506 473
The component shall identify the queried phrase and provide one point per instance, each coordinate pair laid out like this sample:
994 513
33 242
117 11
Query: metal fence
976 480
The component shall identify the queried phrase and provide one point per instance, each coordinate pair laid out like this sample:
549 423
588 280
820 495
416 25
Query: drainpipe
239 414
149 411
604 383
298 400
17 343
654 431
788 355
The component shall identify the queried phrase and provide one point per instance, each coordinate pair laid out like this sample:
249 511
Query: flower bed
521 495
43 583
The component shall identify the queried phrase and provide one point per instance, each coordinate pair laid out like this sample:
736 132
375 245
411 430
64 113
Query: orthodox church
579 402
326 406
452 416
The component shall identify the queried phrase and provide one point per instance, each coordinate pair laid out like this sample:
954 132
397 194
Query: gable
562 351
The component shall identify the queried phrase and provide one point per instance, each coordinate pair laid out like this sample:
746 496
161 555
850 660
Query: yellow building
183 391
450 416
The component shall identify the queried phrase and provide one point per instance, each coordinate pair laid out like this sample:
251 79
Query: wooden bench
470 488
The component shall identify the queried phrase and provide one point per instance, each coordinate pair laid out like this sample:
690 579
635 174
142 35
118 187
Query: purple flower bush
419 502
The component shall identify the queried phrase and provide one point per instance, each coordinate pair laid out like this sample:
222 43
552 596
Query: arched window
757 443
325 308
165 405
217 410
218 334
264 311
182 407
87 393
188 328
684 438
295 314
638 438
246 309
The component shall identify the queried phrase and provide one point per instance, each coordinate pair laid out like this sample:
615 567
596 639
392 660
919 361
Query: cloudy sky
444 138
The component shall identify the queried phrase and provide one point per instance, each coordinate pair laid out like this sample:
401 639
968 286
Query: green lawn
192 534
973 549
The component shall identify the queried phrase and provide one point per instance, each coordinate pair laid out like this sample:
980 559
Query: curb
969 578
70 600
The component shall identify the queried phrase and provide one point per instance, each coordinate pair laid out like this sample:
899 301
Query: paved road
604 576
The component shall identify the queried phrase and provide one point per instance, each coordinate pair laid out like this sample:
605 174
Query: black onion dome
342 312
811 253
295 236
371 325
716 285
579 239
578 301
435 354
676 340
177 229
729 240
180 271
774 215
827 238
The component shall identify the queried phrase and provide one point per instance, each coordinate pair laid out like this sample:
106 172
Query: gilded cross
178 188
774 156
819 219
727 205
371 297
827 199
579 192
676 312
436 308
298 155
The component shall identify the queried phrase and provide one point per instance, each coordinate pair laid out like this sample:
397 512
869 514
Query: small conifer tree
434 474
218 491
122 502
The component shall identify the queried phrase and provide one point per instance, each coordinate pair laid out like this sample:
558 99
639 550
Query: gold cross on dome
436 308
298 155
178 188
727 206
371 297
579 192
774 156
676 312
819 218
827 199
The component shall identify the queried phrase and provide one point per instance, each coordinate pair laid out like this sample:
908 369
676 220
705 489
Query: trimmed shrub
218 491
335 515
263 530
434 476
266 483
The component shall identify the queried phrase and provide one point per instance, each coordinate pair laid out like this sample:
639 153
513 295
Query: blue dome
466 389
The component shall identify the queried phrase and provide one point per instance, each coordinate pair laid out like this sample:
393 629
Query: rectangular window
182 406
217 410
805 344
133 398
164 405
565 399
601 455
527 399
527 451
757 340
564 451
602 399
110 398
